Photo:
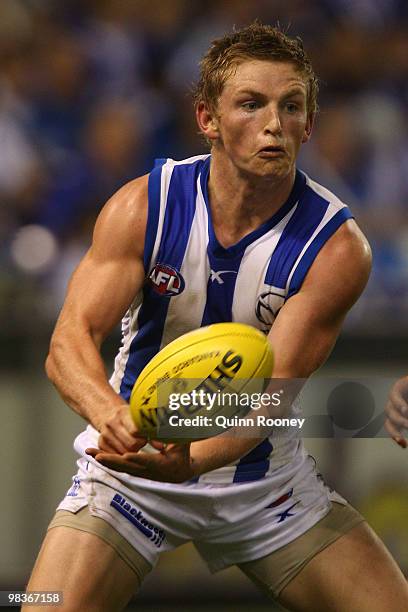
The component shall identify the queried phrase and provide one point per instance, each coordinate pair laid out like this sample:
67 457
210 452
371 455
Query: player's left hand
397 411
172 464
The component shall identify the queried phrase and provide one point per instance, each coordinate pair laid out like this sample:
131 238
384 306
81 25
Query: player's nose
273 124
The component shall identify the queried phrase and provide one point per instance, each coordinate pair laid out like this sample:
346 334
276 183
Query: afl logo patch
166 280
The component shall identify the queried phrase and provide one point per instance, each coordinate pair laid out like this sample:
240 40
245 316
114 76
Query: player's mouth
271 151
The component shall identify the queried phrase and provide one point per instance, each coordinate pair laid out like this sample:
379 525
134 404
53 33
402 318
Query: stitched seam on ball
245 335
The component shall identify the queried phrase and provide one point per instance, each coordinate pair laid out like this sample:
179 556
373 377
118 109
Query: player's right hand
118 433
397 412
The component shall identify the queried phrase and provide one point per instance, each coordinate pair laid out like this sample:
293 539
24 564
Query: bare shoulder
112 272
349 242
122 222
342 268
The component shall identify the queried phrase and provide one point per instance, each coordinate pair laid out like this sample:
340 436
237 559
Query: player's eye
291 107
250 106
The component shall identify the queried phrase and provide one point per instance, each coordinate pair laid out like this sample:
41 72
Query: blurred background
90 93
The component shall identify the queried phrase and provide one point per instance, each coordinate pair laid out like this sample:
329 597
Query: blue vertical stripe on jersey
178 218
255 464
220 289
147 341
312 250
153 212
304 221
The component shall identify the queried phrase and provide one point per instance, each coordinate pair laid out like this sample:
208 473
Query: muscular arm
99 293
306 328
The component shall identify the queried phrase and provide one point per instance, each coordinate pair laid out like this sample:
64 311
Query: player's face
262 118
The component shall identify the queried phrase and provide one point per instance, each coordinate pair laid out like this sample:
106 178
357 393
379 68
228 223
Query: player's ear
308 127
207 121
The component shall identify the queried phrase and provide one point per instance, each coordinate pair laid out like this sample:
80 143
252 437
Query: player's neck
239 204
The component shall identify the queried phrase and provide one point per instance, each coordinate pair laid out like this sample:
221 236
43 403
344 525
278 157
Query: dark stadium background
90 93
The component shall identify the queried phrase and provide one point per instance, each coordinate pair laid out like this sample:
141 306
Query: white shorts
228 524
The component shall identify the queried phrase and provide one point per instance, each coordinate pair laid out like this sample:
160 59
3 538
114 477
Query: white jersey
192 280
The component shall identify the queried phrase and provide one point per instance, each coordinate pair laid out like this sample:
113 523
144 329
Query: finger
136 445
130 440
158 445
392 430
129 423
142 459
395 434
99 455
401 388
394 415
398 401
181 446
148 464
402 409
119 464
139 460
108 442
105 444
120 438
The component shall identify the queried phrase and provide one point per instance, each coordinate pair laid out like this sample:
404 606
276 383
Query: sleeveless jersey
191 281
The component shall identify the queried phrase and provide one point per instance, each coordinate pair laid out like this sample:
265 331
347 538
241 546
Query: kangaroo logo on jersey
166 280
267 307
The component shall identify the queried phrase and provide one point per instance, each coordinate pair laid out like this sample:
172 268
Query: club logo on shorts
281 500
137 518
166 280
282 516
286 513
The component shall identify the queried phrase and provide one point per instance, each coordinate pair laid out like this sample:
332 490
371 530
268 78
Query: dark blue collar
236 249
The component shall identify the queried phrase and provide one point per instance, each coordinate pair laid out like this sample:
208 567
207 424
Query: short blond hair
256 41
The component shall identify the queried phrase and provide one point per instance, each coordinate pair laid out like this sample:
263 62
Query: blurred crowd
91 92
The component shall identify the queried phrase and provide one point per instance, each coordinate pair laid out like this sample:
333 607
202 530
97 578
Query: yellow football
193 376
